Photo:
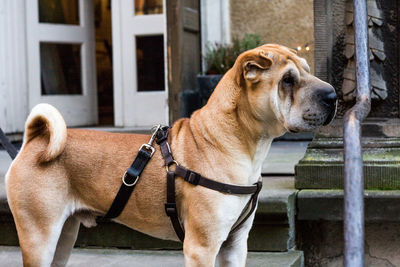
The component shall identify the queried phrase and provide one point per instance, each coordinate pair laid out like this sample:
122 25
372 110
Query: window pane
59 11
150 63
145 7
60 69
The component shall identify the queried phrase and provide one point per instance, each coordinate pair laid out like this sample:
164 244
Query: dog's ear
254 63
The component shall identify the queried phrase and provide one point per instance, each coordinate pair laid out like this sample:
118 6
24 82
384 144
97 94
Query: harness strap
170 206
129 181
195 178
131 177
11 150
166 152
246 213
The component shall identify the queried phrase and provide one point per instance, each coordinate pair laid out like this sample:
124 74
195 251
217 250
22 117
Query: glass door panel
60 69
59 11
150 63
147 7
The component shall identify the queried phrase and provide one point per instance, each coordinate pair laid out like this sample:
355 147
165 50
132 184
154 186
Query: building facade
115 62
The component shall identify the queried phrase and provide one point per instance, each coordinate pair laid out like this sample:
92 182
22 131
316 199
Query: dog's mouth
315 119
329 118
331 115
294 131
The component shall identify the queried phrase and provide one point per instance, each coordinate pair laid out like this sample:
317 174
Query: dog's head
280 89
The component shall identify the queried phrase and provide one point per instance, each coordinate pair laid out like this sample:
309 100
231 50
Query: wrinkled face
280 88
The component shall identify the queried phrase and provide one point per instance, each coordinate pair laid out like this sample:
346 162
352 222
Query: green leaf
219 58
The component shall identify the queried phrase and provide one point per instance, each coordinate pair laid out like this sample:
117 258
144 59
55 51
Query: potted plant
219 58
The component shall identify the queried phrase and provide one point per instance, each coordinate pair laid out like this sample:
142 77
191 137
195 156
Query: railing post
353 165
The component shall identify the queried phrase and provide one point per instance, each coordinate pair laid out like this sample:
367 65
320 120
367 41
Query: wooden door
184 53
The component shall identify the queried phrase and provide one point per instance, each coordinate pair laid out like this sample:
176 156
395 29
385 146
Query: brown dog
63 177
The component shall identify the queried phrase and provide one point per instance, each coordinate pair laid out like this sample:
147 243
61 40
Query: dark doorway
105 94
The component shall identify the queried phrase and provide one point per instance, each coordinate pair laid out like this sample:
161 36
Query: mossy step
322 166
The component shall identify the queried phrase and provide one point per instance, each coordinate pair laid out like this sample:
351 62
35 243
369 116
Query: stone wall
331 15
322 243
285 22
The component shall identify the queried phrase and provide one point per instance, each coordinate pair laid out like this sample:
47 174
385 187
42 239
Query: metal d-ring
172 162
131 184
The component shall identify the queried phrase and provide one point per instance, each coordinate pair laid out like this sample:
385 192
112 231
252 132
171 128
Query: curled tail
45 120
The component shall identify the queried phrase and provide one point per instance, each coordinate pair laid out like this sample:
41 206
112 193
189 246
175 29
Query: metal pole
353 165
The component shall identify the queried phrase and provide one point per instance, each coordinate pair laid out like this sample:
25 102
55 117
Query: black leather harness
131 177
11 150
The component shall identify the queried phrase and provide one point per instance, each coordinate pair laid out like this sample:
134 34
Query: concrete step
324 204
273 228
11 256
283 156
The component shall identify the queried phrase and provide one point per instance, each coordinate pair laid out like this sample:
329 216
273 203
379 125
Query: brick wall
285 22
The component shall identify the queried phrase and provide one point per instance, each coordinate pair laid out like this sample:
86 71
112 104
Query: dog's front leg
233 252
204 234
200 251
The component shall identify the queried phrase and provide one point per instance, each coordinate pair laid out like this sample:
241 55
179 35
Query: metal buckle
131 184
169 148
170 209
172 162
155 130
148 147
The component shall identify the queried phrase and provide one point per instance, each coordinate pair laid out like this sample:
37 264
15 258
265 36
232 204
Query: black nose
328 96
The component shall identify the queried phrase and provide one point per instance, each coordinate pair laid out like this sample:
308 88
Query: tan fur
80 170
45 120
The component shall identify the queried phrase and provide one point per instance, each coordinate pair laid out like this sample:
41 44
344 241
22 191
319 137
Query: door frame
122 96
13 70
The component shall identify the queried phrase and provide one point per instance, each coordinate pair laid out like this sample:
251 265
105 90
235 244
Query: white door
139 62
61 58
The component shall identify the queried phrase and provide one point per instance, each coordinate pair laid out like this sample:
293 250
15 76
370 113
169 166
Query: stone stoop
273 228
319 225
272 238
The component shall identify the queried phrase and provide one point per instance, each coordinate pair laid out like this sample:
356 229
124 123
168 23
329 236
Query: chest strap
195 178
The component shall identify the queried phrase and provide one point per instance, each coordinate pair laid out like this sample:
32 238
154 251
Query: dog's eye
288 81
